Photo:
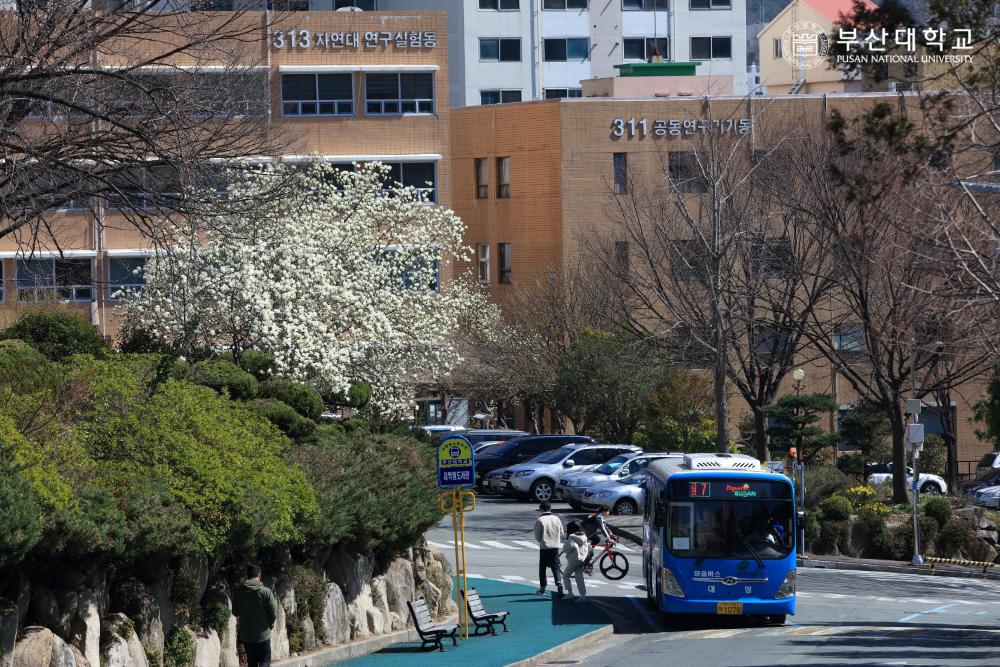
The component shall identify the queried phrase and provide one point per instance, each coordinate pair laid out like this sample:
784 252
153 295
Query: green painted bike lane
537 623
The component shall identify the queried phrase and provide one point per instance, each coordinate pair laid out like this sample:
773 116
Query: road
844 617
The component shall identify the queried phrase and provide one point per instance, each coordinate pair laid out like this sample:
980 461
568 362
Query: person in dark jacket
256 609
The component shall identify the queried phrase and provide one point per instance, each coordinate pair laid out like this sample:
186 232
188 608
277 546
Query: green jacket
256 608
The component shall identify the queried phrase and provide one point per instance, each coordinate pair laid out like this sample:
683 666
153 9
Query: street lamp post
798 375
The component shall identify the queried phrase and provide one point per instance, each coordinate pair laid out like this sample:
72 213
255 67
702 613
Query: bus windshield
719 518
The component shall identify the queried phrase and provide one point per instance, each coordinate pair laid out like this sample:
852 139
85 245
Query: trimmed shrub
224 375
811 527
952 536
939 509
23 369
283 416
836 508
883 542
20 520
823 482
261 365
903 537
306 400
58 334
833 534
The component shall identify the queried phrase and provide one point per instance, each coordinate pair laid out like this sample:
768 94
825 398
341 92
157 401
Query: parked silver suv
573 485
537 479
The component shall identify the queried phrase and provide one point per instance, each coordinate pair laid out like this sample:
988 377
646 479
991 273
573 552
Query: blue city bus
719 538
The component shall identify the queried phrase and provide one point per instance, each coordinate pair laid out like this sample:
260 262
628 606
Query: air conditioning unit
720 462
902 86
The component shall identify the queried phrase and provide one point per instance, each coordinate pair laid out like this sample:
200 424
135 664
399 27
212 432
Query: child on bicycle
596 529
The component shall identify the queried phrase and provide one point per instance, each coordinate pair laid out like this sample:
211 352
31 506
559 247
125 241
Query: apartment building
521 50
535 182
341 86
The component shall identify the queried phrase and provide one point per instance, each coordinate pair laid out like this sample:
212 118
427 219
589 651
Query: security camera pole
915 440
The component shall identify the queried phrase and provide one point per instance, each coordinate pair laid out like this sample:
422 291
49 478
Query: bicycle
613 564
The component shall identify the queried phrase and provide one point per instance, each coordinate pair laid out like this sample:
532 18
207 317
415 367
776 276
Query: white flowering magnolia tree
339 280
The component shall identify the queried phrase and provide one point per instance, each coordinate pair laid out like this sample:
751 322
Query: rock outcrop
9 618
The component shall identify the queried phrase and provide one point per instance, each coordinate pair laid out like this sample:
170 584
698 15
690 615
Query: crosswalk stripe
500 545
468 545
530 545
513 577
438 545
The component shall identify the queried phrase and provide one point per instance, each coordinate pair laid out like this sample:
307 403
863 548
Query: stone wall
126 619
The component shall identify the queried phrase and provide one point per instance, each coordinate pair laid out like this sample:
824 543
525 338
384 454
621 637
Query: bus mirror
800 515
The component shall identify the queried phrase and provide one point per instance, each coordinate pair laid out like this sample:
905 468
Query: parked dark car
988 479
477 435
521 449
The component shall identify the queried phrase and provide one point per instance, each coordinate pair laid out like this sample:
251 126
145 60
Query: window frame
646 51
481 171
317 101
619 172
115 287
569 93
400 100
499 49
500 96
696 183
647 6
505 263
777 52
36 289
503 177
402 178
483 257
711 45
565 6
499 6
565 41
713 5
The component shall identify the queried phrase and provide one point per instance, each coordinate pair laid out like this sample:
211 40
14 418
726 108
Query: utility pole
915 440
798 375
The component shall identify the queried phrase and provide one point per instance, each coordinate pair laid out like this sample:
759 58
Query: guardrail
932 560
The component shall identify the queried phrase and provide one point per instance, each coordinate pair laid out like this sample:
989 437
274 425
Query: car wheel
626 507
930 489
542 490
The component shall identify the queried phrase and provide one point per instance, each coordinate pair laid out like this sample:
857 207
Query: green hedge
304 399
57 333
23 369
939 508
283 416
225 376
836 508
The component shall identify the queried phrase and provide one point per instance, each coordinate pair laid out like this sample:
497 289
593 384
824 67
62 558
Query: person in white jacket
577 549
549 534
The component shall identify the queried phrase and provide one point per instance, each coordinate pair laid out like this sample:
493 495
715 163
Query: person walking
549 533
577 549
255 609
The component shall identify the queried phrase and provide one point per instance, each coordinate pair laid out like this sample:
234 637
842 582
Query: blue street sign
456 463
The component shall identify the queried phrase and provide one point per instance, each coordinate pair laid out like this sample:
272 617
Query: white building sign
643 127
301 38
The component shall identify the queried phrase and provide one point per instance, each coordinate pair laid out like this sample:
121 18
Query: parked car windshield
488 449
613 465
555 456
987 460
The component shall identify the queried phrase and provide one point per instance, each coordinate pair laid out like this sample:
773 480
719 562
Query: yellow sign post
456 472
454 502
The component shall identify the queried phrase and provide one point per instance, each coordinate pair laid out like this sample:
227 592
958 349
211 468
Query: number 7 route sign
456 463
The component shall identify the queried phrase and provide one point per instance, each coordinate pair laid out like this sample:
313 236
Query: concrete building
520 50
344 87
534 183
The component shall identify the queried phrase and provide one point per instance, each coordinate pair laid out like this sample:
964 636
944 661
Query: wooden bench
429 631
482 618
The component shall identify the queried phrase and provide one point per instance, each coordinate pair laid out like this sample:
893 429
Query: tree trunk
760 435
721 406
896 419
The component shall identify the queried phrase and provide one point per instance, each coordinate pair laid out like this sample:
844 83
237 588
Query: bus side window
660 514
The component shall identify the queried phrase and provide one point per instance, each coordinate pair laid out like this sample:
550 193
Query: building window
645 5
500 5
689 261
504 261
711 4
482 179
777 48
772 258
569 49
558 93
619 163
317 94
293 5
500 49
622 257
641 48
148 188
503 178
712 48
769 343
685 172
125 275
418 270
366 5
40 280
419 175
394 94
564 4
849 341
484 263
499 96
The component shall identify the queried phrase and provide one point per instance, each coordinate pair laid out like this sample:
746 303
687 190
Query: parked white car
537 479
573 485
987 497
929 484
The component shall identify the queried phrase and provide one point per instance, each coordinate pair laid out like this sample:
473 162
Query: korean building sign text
629 128
301 38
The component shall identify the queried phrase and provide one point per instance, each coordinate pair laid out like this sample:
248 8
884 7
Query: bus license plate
729 608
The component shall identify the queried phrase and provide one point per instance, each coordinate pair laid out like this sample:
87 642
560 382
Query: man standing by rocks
256 609
549 533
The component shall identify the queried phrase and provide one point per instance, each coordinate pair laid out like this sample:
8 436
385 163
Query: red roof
832 9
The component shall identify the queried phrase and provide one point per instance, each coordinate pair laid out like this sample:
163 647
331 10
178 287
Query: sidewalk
630 528
538 624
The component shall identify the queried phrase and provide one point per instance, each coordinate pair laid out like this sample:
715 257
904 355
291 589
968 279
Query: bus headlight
669 584
787 589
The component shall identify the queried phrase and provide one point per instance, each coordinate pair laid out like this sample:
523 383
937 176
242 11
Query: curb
566 648
332 654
